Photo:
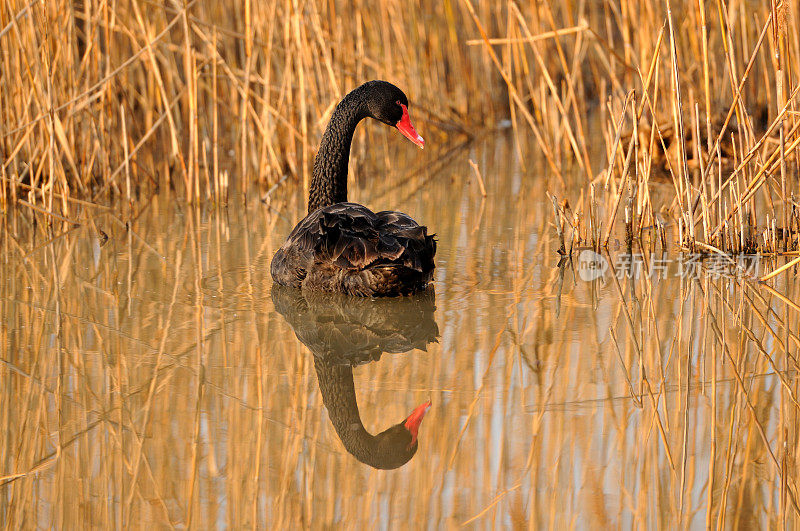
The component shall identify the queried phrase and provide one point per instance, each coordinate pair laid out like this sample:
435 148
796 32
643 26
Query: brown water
155 379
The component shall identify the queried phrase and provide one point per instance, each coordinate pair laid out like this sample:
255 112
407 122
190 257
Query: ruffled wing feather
351 238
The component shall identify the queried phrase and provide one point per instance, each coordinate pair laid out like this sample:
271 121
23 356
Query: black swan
344 331
345 247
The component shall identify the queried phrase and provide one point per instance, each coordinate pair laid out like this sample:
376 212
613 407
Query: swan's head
389 104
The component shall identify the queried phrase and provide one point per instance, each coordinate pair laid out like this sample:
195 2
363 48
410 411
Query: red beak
405 127
415 419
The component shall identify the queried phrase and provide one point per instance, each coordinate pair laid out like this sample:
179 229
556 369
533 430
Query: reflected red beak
415 419
405 127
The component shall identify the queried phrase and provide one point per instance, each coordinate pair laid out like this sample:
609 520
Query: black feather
347 247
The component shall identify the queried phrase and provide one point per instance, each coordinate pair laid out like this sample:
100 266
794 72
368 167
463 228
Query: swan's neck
329 180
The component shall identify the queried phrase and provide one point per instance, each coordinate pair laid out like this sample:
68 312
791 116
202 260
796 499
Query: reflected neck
329 179
339 397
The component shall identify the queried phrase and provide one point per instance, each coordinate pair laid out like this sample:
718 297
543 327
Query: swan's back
347 248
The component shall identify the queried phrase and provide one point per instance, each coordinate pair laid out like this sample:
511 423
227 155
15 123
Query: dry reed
186 95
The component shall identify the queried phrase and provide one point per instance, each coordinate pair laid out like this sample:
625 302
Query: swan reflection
342 332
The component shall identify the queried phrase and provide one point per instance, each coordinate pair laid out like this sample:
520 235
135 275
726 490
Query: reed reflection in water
152 380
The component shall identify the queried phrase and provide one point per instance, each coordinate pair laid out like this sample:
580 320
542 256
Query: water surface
152 376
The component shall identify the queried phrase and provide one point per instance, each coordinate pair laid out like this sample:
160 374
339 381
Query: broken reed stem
620 190
478 175
558 218
533 38
780 270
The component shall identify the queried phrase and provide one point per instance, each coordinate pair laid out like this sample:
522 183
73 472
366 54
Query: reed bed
107 100
699 95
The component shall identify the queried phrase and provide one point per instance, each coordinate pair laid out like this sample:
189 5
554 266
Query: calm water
157 378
